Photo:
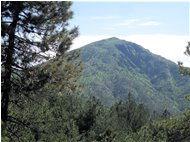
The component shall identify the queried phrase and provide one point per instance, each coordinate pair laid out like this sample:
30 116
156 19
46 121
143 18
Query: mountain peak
113 38
114 67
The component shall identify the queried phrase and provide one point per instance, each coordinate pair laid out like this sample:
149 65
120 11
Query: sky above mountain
161 27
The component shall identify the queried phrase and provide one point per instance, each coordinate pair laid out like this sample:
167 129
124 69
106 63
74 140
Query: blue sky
121 18
146 23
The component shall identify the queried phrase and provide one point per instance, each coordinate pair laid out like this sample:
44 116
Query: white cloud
129 22
109 28
138 22
171 47
149 23
104 17
84 40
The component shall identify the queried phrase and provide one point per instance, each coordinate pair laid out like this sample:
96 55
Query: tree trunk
6 86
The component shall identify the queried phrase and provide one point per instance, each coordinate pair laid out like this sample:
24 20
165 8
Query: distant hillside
114 67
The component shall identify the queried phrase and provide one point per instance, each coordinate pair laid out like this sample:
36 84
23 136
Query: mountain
114 67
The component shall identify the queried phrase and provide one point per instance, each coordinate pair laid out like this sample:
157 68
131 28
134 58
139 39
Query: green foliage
113 67
69 117
188 97
129 116
170 130
65 117
51 109
185 70
32 33
51 120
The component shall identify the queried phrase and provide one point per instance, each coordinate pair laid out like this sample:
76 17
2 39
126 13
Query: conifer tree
185 70
31 33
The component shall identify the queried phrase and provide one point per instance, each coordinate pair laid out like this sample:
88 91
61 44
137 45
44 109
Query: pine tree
185 70
31 33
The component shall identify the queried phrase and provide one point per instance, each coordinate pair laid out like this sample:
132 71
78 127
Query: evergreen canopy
31 33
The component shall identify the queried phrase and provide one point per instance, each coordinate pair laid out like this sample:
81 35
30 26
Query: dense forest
41 98
114 67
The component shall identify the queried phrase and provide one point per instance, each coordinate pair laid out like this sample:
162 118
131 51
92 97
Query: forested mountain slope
114 67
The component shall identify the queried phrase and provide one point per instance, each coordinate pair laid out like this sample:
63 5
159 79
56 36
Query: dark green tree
166 114
185 70
129 115
87 118
31 33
